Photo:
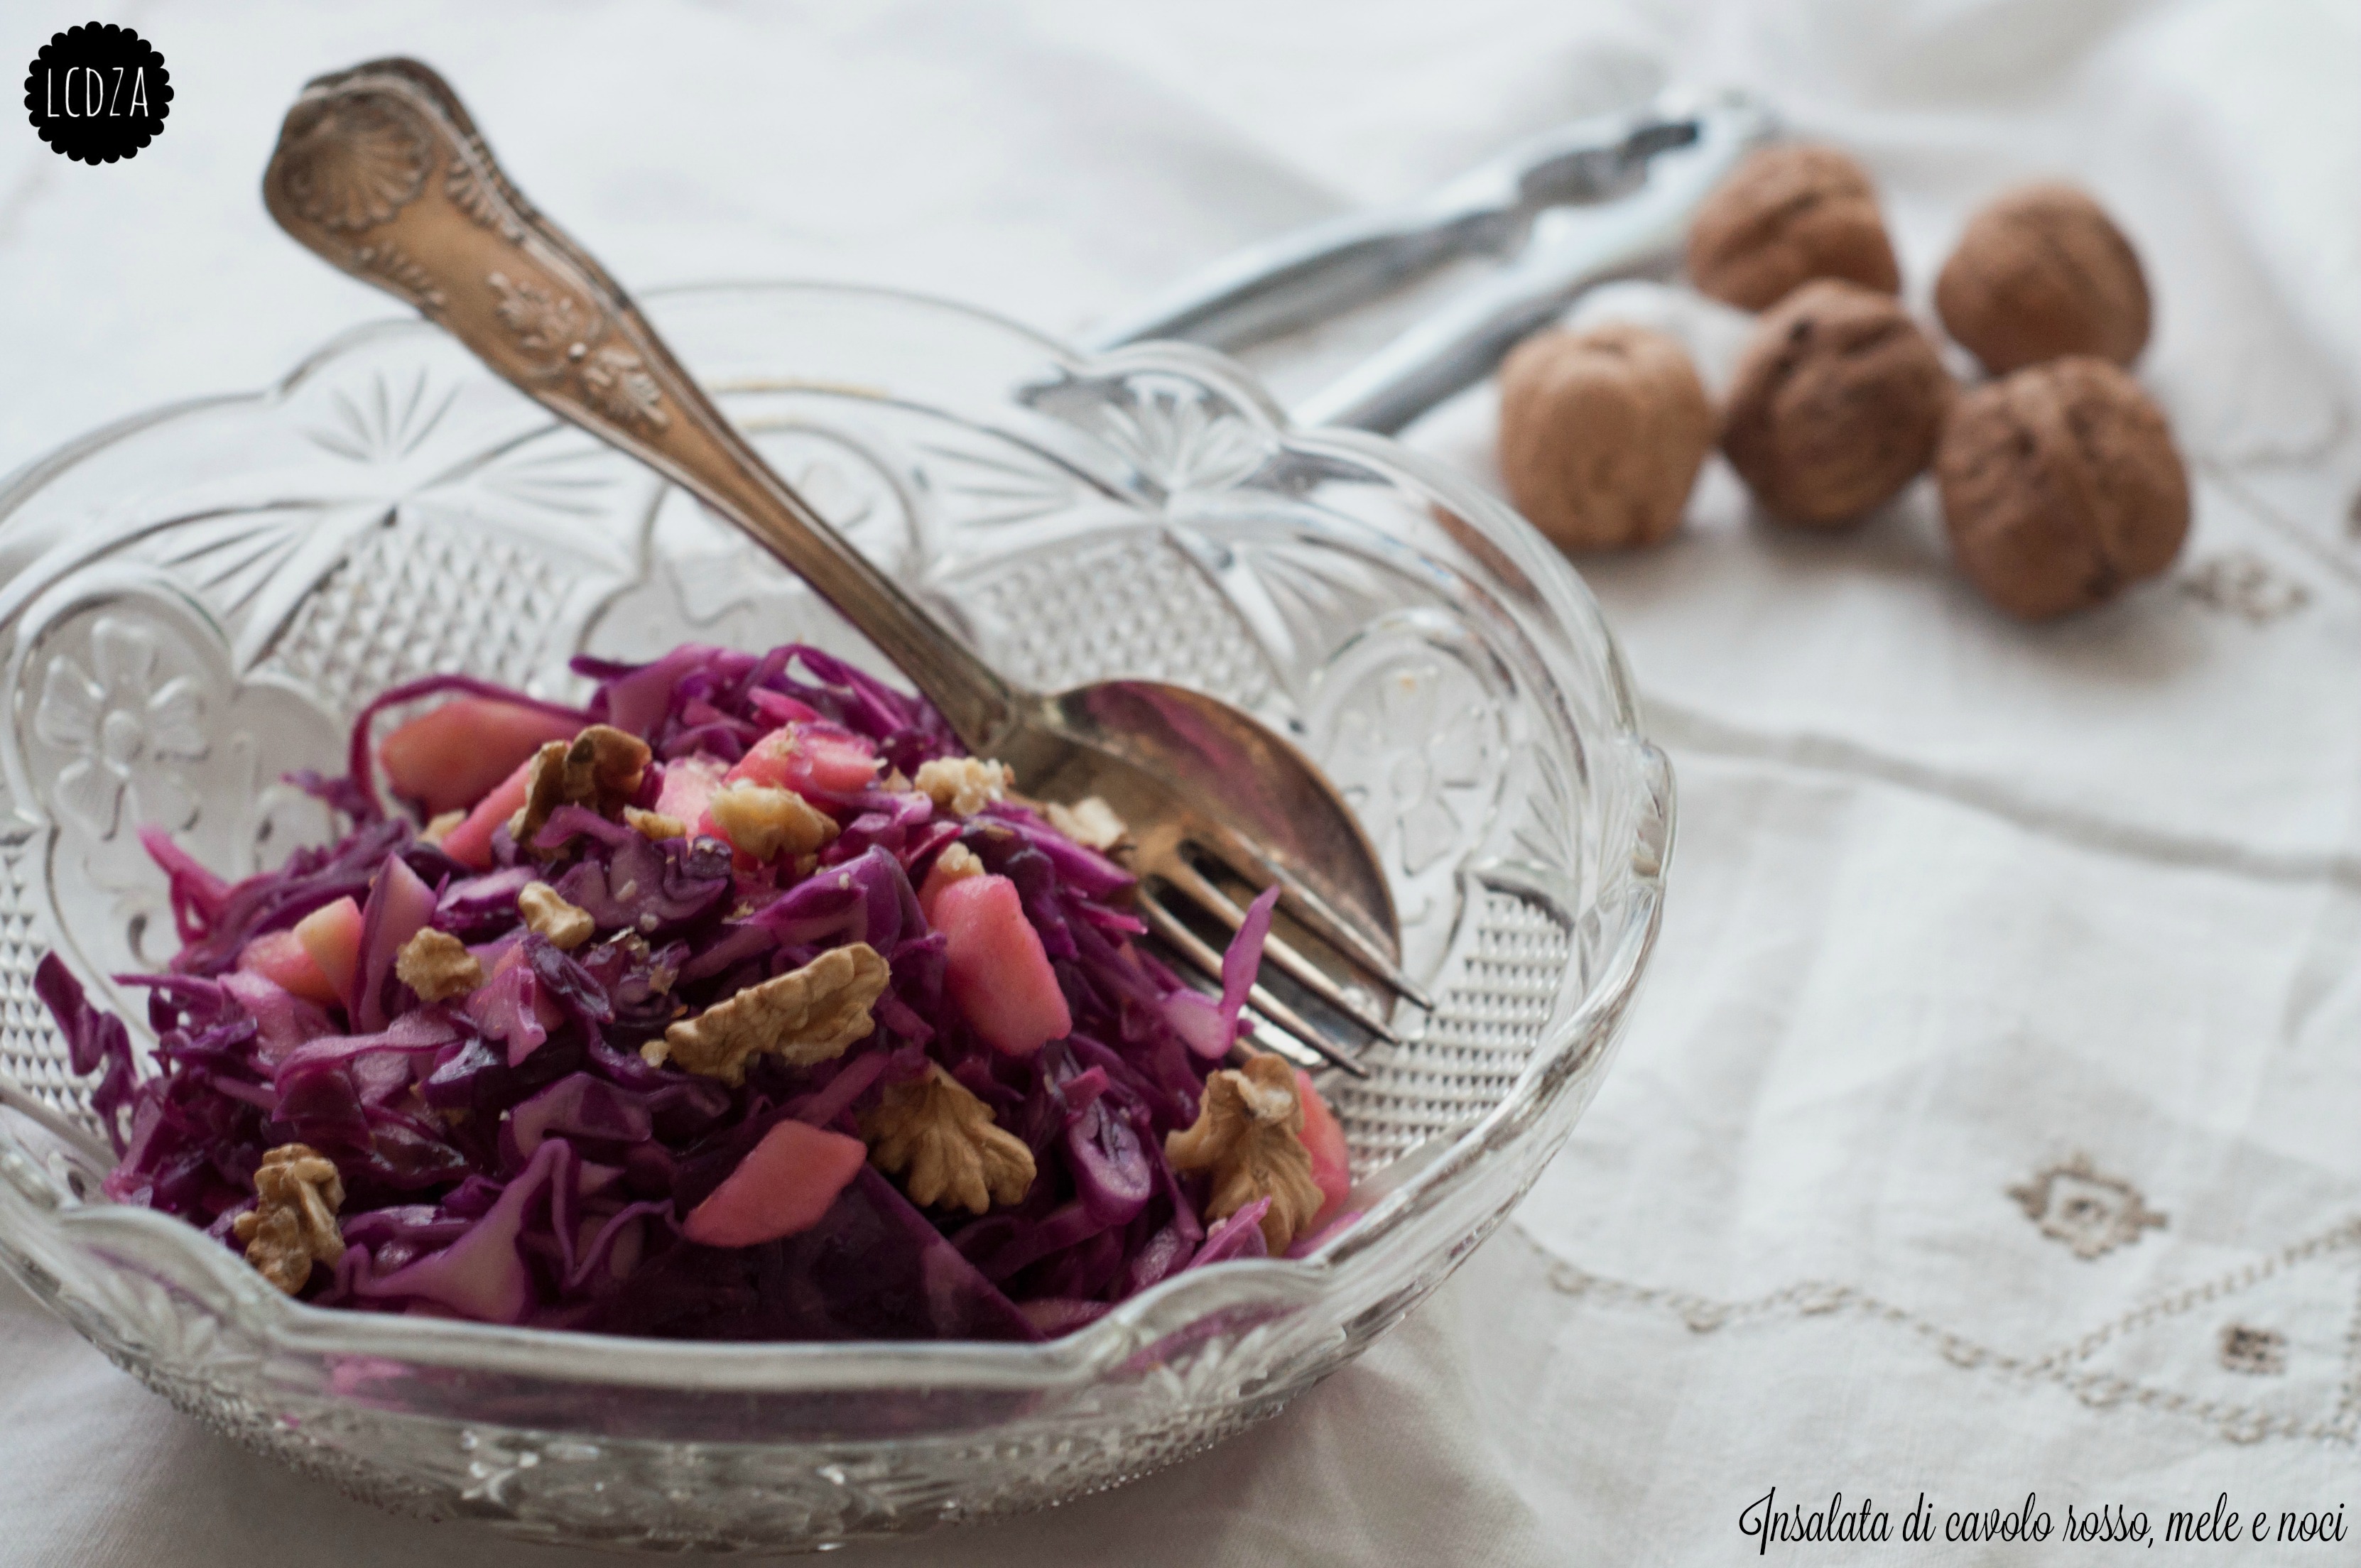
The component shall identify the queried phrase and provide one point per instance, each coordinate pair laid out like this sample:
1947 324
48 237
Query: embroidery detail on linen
2091 1214
2063 1366
2244 585
2260 1353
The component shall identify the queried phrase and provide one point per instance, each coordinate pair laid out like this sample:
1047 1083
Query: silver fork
1598 199
379 170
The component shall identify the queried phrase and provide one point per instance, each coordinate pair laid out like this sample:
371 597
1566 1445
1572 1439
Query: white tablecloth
1989 1125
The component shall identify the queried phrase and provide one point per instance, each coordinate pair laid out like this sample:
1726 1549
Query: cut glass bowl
196 600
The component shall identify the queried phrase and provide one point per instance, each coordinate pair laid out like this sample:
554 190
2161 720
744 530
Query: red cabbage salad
738 1004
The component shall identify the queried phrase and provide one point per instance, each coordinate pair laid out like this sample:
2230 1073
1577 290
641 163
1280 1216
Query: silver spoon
379 170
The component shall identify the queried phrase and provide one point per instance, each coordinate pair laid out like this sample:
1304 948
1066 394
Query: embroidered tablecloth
1988 1127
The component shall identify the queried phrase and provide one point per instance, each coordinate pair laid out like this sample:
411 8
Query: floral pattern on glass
129 733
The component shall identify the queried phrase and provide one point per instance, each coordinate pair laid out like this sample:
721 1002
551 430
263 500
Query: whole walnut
2043 272
1602 433
2060 486
1787 215
1835 406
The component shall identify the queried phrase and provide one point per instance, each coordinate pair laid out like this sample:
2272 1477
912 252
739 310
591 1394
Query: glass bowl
196 600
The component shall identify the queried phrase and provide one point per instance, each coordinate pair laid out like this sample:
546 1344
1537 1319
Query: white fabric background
1954 901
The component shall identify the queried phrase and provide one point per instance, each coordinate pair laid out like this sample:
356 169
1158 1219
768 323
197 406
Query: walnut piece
292 1223
807 1016
956 863
601 768
765 823
1787 215
1602 434
544 792
2060 486
546 912
604 767
944 1137
1089 822
963 786
2042 272
1249 1135
439 828
1835 406
654 824
437 966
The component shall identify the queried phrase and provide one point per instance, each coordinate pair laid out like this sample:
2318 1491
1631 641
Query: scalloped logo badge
98 93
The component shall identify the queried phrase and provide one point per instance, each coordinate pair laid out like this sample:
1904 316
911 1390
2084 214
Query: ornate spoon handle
379 170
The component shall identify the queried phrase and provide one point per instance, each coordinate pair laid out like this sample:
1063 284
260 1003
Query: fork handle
380 170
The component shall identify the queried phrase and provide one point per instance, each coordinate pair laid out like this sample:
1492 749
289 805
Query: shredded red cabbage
510 1156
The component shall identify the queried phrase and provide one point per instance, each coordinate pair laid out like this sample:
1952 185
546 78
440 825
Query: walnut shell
2060 486
1835 406
2042 272
1602 433
1784 216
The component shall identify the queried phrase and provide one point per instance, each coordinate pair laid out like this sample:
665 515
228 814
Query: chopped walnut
546 912
1090 821
437 966
544 792
956 863
1249 1133
439 828
804 1016
763 822
944 1137
601 768
963 786
293 1222
654 824
897 782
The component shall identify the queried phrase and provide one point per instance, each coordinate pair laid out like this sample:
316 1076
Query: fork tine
1307 909
1269 1036
1278 1015
1191 949
1315 914
1187 878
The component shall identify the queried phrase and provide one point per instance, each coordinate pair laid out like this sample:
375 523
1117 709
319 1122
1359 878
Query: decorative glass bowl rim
1411 1185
